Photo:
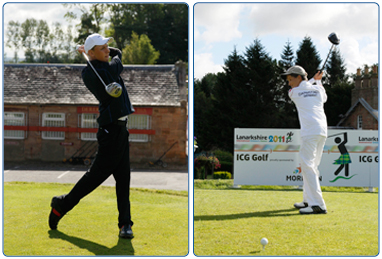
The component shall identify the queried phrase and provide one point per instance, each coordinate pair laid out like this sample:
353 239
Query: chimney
181 77
375 69
358 79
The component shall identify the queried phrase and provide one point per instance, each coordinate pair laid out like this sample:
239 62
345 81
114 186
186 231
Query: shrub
203 165
223 155
226 160
226 166
222 175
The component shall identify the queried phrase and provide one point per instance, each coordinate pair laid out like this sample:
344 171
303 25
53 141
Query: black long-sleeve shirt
110 108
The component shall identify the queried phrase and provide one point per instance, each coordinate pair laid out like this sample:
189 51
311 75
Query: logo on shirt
312 93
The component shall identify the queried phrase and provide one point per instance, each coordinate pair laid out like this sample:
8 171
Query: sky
219 28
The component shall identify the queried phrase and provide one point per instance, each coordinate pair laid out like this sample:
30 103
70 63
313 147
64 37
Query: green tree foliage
339 101
249 94
335 69
139 51
232 102
91 19
338 88
13 36
308 57
40 42
287 57
165 24
287 108
202 107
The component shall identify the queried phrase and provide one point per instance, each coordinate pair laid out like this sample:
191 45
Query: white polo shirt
309 100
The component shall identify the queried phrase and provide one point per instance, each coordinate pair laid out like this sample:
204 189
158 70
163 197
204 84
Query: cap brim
286 73
111 39
106 40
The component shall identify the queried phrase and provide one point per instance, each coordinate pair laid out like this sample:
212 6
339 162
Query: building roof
365 104
147 85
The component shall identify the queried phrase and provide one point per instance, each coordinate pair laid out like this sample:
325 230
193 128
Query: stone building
363 113
49 114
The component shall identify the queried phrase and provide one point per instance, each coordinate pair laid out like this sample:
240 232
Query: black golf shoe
126 232
56 213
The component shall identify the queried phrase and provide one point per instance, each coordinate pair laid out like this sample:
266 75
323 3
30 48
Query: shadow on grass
123 247
255 252
260 214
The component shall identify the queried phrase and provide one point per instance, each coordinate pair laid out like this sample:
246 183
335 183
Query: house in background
363 113
49 114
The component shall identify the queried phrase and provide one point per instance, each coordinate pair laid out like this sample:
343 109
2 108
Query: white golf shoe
300 205
312 210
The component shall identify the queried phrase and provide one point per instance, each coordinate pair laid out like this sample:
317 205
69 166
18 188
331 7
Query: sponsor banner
271 157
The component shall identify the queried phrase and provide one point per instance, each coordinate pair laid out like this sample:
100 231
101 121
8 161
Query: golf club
113 89
333 38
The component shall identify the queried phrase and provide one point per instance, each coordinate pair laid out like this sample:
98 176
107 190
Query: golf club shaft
87 59
330 51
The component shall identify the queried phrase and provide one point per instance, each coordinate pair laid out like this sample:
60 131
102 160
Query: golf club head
114 89
333 38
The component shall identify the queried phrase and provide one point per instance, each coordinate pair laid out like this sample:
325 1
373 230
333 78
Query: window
89 120
53 120
14 119
139 122
359 122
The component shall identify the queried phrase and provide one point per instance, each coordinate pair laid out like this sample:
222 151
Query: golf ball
264 241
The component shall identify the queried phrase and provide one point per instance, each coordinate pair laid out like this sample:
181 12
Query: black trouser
112 158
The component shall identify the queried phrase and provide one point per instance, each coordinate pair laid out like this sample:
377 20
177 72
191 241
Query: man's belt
119 122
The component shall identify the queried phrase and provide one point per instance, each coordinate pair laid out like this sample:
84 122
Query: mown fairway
160 223
232 222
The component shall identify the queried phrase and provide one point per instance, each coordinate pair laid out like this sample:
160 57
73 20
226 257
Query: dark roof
365 104
147 85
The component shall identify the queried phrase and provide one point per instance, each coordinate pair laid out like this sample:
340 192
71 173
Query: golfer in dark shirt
113 137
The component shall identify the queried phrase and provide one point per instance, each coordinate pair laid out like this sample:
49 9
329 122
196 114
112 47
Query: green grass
231 221
160 222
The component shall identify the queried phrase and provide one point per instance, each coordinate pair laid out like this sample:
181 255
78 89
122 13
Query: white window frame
139 121
10 119
89 123
359 122
47 120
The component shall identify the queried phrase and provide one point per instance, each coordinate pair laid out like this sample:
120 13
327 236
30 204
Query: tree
338 89
42 39
91 19
308 57
287 108
172 34
264 79
13 38
231 99
27 35
336 69
41 42
165 24
287 57
202 107
139 51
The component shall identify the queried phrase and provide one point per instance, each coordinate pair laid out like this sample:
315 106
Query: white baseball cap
298 70
96 39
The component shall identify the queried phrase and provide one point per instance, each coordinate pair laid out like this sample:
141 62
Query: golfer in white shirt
309 99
